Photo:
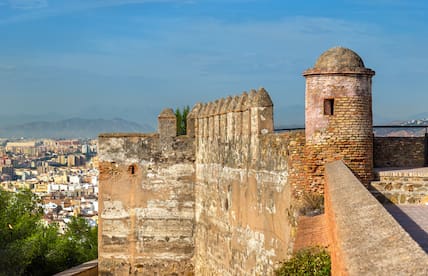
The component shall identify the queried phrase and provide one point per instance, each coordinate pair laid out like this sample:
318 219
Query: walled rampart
399 151
243 195
365 238
146 204
221 199
216 201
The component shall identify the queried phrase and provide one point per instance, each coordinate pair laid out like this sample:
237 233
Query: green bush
28 247
308 261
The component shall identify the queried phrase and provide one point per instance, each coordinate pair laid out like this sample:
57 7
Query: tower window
328 106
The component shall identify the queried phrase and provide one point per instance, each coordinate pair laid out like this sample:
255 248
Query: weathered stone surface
242 194
263 99
147 212
191 120
167 123
366 240
401 186
339 58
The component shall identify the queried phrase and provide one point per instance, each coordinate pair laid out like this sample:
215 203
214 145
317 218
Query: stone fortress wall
211 201
147 200
243 195
221 199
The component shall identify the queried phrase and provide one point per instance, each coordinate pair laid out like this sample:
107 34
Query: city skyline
131 59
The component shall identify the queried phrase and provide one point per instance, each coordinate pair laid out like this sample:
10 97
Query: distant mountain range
415 128
90 128
71 128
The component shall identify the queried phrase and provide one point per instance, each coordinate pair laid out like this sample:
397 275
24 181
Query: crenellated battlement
246 114
231 126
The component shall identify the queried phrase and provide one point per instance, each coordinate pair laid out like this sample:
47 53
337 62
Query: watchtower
339 122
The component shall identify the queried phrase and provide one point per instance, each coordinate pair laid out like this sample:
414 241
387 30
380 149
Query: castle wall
146 206
399 151
216 201
221 200
243 192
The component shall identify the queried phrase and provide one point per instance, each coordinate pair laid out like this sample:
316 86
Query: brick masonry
311 231
347 133
399 152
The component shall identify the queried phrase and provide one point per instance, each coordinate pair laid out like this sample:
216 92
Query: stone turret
167 124
339 115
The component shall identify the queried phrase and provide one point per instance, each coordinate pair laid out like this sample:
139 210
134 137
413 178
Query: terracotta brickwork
311 231
338 116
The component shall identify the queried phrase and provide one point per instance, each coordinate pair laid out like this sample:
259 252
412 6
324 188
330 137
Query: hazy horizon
131 58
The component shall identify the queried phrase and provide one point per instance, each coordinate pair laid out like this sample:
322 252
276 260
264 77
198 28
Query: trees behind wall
182 119
29 247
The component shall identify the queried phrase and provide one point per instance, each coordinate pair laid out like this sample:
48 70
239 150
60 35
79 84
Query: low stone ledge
365 238
86 269
402 172
126 134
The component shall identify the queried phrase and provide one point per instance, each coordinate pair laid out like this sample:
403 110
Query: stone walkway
414 219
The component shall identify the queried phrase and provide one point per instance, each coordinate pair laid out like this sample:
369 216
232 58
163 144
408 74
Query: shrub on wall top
308 261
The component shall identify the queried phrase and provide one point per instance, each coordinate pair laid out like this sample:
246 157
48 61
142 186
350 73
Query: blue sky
132 58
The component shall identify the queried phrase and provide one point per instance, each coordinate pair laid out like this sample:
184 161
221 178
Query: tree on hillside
28 247
20 230
182 120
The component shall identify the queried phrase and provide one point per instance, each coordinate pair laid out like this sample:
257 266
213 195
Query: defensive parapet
239 121
242 194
